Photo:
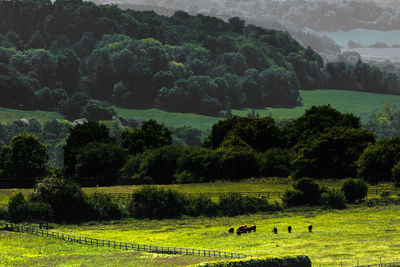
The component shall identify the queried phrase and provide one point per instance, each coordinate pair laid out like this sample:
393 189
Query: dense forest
78 58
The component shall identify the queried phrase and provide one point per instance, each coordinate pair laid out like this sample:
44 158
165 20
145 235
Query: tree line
76 58
322 143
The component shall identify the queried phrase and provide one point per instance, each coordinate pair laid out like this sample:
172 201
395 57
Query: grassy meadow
360 233
21 249
359 103
363 234
8 115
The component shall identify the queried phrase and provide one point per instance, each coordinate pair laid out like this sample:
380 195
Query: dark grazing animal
310 228
242 227
289 229
249 229
238 231
231 230
275 230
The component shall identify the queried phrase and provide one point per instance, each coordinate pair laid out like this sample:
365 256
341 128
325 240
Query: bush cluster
307 192
159 203
61 200
288 261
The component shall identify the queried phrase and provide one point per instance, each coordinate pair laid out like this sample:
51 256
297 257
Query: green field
360 233
21 249
366 235
358 103
8 115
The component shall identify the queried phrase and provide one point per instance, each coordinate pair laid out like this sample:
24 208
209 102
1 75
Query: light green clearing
363 234
22 249
358 103
8 115
171 119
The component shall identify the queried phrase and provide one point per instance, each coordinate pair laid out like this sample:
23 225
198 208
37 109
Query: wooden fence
393 264
122 245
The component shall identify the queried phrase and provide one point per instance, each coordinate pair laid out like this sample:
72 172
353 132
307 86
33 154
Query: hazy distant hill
296 14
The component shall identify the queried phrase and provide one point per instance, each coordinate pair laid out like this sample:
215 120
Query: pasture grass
8 115
363 234
170 119
22 249
358 103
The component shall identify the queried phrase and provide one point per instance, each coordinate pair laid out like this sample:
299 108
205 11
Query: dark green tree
80 136
27 158
333 154
377 161
150 135
100 162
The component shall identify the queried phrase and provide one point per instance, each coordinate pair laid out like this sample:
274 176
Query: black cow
249 229
310 228
238 231
231 230
289 229
275 230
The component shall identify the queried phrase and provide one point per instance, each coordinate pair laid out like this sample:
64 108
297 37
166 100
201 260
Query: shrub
396 174
156 203
233 203
334 199
306 192
3 213
288 261
354 189
18 208
185 177
40 211
66 199
293 198
311 191
103 207
200 205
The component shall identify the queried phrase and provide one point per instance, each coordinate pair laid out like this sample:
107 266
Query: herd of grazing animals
244 229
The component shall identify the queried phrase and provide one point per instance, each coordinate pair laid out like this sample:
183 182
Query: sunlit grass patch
360 233
21 249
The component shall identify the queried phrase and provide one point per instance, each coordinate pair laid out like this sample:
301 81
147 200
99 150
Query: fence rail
122 245
393 264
